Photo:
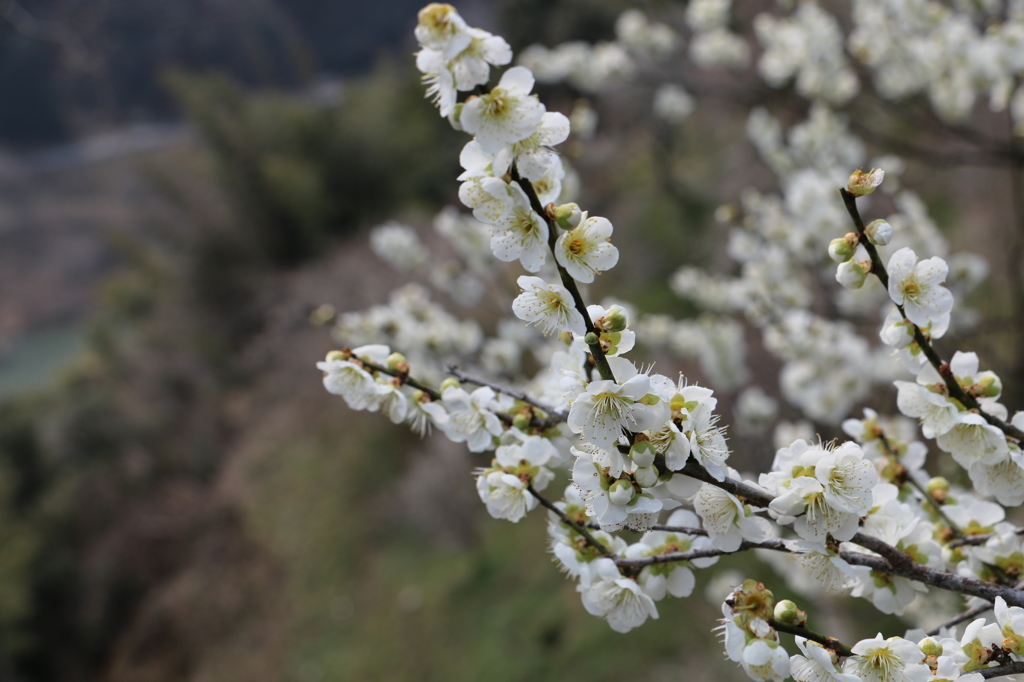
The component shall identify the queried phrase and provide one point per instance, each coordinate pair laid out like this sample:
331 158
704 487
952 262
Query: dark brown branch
935 578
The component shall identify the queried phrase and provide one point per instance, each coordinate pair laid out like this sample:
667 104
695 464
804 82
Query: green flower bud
930 647
338 355
937 483
590 338
879 232
852 273
565 337
643 454
450 382
787 612
616 321
647 477
839 250
621 493
567 216
990 385
521 421
396 363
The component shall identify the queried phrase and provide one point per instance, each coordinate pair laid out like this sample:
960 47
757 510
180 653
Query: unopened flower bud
615 321
852 273
567 215
643 454
450 382
862 183
590 338
840 250
338 355
647 477
521 421
787 612
937 484
397 363
930 647
621 493
990 385
879 232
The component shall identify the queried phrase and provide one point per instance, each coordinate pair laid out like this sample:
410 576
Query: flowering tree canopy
645 452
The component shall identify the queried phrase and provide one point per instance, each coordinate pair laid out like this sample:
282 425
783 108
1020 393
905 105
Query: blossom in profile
617 599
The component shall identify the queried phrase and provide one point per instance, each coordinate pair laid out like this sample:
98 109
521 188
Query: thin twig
978 539
583 532
913 482
802 631
955 390
600 361
673 557
966 615
554 414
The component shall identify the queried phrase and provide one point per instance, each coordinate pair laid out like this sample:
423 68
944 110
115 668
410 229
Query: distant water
34 359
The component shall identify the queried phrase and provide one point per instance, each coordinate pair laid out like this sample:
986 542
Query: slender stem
600 361
978 539
960 618
802 631
403 377
674 557
917 486
555 415
1008 669
955 390
583 532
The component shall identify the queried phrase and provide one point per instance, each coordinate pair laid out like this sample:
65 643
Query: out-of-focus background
181 183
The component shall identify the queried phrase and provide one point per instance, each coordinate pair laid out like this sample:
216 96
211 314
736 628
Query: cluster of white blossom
646 452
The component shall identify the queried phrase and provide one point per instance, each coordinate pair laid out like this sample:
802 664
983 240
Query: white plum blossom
617 599
503 487
887 660
349 380
765 659
506 114
817 664
602 412
533 155
821 491
586 250
471 417
727 520
441 28
549 306
521 233
917 286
